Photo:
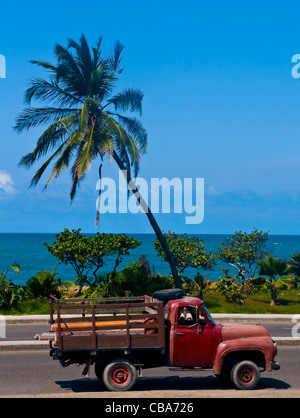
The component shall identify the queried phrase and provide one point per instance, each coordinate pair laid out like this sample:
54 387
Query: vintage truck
122 336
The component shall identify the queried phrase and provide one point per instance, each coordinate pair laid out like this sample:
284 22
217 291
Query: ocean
29 251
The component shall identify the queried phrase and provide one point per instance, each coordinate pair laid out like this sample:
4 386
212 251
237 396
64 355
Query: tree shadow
286 302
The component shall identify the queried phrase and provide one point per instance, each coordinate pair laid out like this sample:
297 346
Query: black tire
245 375
120 375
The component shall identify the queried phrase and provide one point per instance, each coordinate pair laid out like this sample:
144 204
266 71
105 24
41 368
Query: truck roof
185 301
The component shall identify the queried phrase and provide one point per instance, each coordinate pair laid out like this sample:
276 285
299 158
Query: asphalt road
35 374
27 332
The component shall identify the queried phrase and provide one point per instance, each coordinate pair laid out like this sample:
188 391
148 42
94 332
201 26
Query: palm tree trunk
152 221
273 293
98 207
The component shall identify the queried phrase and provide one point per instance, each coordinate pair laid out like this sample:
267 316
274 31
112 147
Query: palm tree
86 120
294 263
274 268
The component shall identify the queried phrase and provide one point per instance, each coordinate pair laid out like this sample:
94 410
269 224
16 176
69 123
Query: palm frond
16 268
135 129
76 180
97 53
68 150
32 117
85 153
115 59
36 178
97 81
123 155
45 65
116 130
50 138
82 56
50 92
68 71
129 99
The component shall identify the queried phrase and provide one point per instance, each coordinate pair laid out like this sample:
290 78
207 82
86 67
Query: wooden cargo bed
112 323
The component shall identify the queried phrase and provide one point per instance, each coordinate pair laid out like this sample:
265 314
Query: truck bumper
275 365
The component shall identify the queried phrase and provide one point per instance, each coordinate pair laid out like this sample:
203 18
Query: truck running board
188 369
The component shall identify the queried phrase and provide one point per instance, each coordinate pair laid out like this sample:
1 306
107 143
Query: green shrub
196 286
43 284
256 285
9 292
87 255
230 288
136 279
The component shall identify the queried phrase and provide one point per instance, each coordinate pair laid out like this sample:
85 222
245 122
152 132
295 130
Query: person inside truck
187 315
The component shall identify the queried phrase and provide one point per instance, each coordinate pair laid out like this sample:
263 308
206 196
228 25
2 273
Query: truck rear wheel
245 375
119 375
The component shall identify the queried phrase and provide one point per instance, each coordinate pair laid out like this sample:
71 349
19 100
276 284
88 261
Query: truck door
193 339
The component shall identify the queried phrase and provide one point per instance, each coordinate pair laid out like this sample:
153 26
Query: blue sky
220 103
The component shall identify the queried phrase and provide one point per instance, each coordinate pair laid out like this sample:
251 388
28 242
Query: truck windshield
208 315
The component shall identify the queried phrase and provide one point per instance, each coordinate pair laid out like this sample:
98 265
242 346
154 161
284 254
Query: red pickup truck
122 336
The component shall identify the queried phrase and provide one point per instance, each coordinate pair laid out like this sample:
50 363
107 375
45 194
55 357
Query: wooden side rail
70 318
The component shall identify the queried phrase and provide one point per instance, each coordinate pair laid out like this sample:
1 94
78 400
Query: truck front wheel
120 375
245 375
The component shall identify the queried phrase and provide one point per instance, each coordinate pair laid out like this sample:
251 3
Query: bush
295 284
87 255
256 285
230 288
136 279
243 251
43 284
188 252
196 286
9 292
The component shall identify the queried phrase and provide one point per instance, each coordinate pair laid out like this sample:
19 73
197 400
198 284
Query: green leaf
282 281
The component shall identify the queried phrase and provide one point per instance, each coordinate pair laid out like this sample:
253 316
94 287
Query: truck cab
193 335
235 352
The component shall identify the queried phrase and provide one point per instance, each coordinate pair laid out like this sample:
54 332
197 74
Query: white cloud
213 191
6 184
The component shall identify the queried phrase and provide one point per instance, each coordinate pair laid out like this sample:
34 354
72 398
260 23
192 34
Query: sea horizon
28 250
143 233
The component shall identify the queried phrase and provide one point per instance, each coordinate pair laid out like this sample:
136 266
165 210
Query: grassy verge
27 307
288 303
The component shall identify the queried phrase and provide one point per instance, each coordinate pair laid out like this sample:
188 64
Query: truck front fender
246 349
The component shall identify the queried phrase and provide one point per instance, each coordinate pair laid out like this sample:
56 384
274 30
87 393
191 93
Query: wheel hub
120 376
246 375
